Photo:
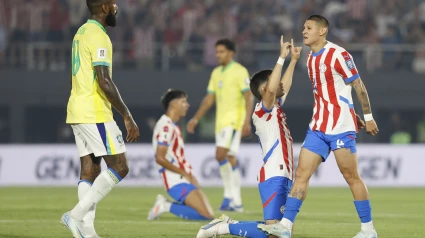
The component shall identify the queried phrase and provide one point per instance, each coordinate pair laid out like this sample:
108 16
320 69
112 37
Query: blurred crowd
184 30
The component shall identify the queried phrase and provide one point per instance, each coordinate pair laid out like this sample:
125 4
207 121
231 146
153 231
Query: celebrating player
228 87
275 177
176 172
90 115
333 127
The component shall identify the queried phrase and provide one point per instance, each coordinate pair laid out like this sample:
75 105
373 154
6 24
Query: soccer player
190 202
333 127
228 87
89 112
275 177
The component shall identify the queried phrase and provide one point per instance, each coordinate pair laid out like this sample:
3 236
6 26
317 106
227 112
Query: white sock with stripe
83 187
226 175
236 186
100 188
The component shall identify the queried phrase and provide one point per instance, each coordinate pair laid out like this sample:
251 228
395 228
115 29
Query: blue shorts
274 192
180 191
322 144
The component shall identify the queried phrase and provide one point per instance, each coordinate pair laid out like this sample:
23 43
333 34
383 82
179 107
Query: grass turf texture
327 212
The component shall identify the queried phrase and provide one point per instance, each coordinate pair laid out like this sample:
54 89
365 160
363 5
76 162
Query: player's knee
302 175
351 176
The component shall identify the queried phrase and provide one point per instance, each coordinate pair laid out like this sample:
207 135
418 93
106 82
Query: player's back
166 133
228 84
275 141
330 71
91 47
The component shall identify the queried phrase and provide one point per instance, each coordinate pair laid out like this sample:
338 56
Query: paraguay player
190 202
228 87
333 127
89 112
276 174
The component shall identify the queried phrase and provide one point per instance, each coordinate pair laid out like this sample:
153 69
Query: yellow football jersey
229 84
91 47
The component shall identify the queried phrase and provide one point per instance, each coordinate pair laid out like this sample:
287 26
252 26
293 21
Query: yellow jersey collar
96 23
227 66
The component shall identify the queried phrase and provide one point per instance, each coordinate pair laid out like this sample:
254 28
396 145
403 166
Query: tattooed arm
363 98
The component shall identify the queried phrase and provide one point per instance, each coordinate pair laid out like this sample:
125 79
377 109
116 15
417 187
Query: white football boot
76 227
370 234
276 229
211 229
158 208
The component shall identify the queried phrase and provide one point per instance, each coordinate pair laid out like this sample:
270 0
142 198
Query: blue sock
221 163
364 209
248 229
186 212
292 208
236 166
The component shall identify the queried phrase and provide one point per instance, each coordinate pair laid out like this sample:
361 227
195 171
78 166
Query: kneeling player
190 202
275 178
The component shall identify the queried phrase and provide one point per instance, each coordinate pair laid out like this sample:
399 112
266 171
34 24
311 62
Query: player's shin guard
364 210
236 187
100 188
226 174
246 229
83 187
292 208
186 212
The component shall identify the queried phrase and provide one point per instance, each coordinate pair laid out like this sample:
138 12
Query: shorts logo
339 144
120 139
323 68
350 64
282 208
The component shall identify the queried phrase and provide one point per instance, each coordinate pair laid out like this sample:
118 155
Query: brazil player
228 88
89 113
275 176
176 172
333 127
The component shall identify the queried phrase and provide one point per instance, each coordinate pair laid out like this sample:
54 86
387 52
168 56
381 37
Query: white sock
83 188
236 187
223 229
367 227
226 174
100 188
167 206
287 223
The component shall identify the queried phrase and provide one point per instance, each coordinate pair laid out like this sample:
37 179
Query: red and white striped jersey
166 133
330 71
275 141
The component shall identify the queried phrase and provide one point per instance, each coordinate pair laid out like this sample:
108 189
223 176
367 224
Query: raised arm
114 97
269 96
289 72
363 98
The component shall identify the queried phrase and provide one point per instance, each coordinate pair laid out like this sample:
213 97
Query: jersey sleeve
243 80
344 65
164 135
212 88
100 48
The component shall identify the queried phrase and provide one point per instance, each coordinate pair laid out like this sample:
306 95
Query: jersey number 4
75 57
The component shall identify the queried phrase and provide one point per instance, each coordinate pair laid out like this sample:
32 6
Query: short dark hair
92 4
230 45
170 95
257 80
319 19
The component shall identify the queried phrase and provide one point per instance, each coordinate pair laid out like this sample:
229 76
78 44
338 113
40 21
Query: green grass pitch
327 212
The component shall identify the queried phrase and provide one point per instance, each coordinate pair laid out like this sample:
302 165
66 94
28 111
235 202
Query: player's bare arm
114 97
363 97
206 104
249 104
269 97
161 151
289 72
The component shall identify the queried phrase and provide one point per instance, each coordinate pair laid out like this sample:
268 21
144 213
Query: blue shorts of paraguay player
180 191
274 192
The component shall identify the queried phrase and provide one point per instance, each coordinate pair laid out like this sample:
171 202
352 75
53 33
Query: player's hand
190 127
295 51
360 122
189 177
132 129
195 182
372 128
285 47
246 130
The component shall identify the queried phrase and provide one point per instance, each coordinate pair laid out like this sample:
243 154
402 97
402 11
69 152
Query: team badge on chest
323 68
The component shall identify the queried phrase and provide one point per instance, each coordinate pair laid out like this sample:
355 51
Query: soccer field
35 212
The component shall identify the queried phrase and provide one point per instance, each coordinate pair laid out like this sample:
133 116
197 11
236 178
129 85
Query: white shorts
230 139
99 139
